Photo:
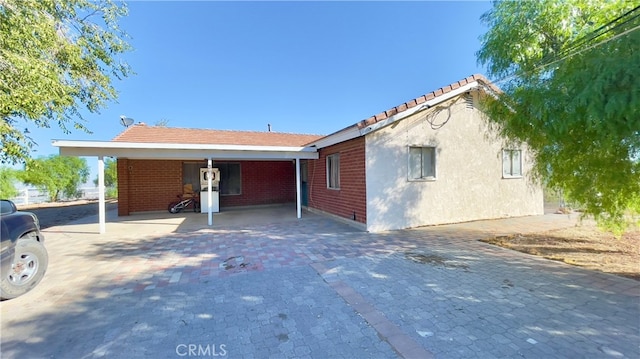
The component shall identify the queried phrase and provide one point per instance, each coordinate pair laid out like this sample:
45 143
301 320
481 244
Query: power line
597 33
591 36
540 67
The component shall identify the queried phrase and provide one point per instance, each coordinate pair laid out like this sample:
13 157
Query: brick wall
150 185
264 182
351 198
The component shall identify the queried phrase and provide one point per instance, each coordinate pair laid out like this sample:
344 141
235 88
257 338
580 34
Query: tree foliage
8 188
56 175
569 71
57 59
110 173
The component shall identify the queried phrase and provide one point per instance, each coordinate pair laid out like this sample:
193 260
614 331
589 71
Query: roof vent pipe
269 127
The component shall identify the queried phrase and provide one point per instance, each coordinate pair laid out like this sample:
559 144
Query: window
191 174
333 171
511 163
422 163
230 180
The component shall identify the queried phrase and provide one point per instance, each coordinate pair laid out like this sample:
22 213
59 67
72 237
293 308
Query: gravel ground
55 214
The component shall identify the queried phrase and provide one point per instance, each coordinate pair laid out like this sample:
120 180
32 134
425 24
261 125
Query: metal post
298 199
101 205
209 192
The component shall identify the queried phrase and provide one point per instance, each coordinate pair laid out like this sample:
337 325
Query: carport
186 152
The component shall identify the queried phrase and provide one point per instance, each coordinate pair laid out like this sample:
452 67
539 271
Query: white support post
209 192
298 198
101 205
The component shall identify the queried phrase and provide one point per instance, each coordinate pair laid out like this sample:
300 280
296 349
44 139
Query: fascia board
177 146
425 105
180 151
353 131
341 136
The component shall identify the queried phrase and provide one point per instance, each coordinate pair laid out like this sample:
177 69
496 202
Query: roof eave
180 151
355 131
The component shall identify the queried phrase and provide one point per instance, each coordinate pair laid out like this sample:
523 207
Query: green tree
57 59
110 177
110 173
56 175
570 79
8 188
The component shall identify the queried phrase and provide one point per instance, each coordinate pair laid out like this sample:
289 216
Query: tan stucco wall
469 183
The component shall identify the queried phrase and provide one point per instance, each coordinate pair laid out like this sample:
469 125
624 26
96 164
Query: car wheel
28 268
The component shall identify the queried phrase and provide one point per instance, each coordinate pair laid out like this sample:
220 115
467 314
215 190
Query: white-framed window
422 163
333 171
511 163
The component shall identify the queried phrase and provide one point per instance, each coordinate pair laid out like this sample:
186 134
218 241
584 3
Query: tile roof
424 98
141 133
153 134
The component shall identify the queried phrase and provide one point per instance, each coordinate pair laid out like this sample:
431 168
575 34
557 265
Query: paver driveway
160 288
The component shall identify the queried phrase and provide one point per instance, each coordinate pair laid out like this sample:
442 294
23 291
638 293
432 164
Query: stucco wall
469 184
348 201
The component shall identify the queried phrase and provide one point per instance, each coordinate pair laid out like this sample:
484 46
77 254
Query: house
431 160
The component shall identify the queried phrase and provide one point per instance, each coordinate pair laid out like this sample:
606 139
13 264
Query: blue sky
303 67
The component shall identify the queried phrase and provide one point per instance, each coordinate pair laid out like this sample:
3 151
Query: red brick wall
263 182
147 185
150 185
352 196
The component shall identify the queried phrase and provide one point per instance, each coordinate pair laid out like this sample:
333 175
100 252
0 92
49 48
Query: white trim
353 131
435 164
329 167
340 136
176 146
181 151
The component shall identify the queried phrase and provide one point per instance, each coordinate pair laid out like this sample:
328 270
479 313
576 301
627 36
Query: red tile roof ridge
424 98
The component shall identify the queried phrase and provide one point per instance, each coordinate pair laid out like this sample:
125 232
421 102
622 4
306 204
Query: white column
101 202
209 192
298 198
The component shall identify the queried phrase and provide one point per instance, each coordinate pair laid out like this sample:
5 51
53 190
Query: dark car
23 259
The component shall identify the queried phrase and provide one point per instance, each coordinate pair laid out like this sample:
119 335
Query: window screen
333 171
511 163
422 163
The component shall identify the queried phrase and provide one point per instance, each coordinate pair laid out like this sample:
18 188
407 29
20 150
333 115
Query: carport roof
154 142
141 133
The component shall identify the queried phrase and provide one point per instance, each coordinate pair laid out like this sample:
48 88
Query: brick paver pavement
315 288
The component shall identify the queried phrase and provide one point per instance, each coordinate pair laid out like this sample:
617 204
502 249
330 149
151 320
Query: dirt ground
584 245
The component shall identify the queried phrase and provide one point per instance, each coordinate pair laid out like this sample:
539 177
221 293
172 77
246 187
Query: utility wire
597 33
542 66
591 36
594 34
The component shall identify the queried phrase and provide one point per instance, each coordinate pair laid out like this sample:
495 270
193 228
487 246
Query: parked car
23 259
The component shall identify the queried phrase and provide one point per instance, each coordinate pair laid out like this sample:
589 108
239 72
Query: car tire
28 268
